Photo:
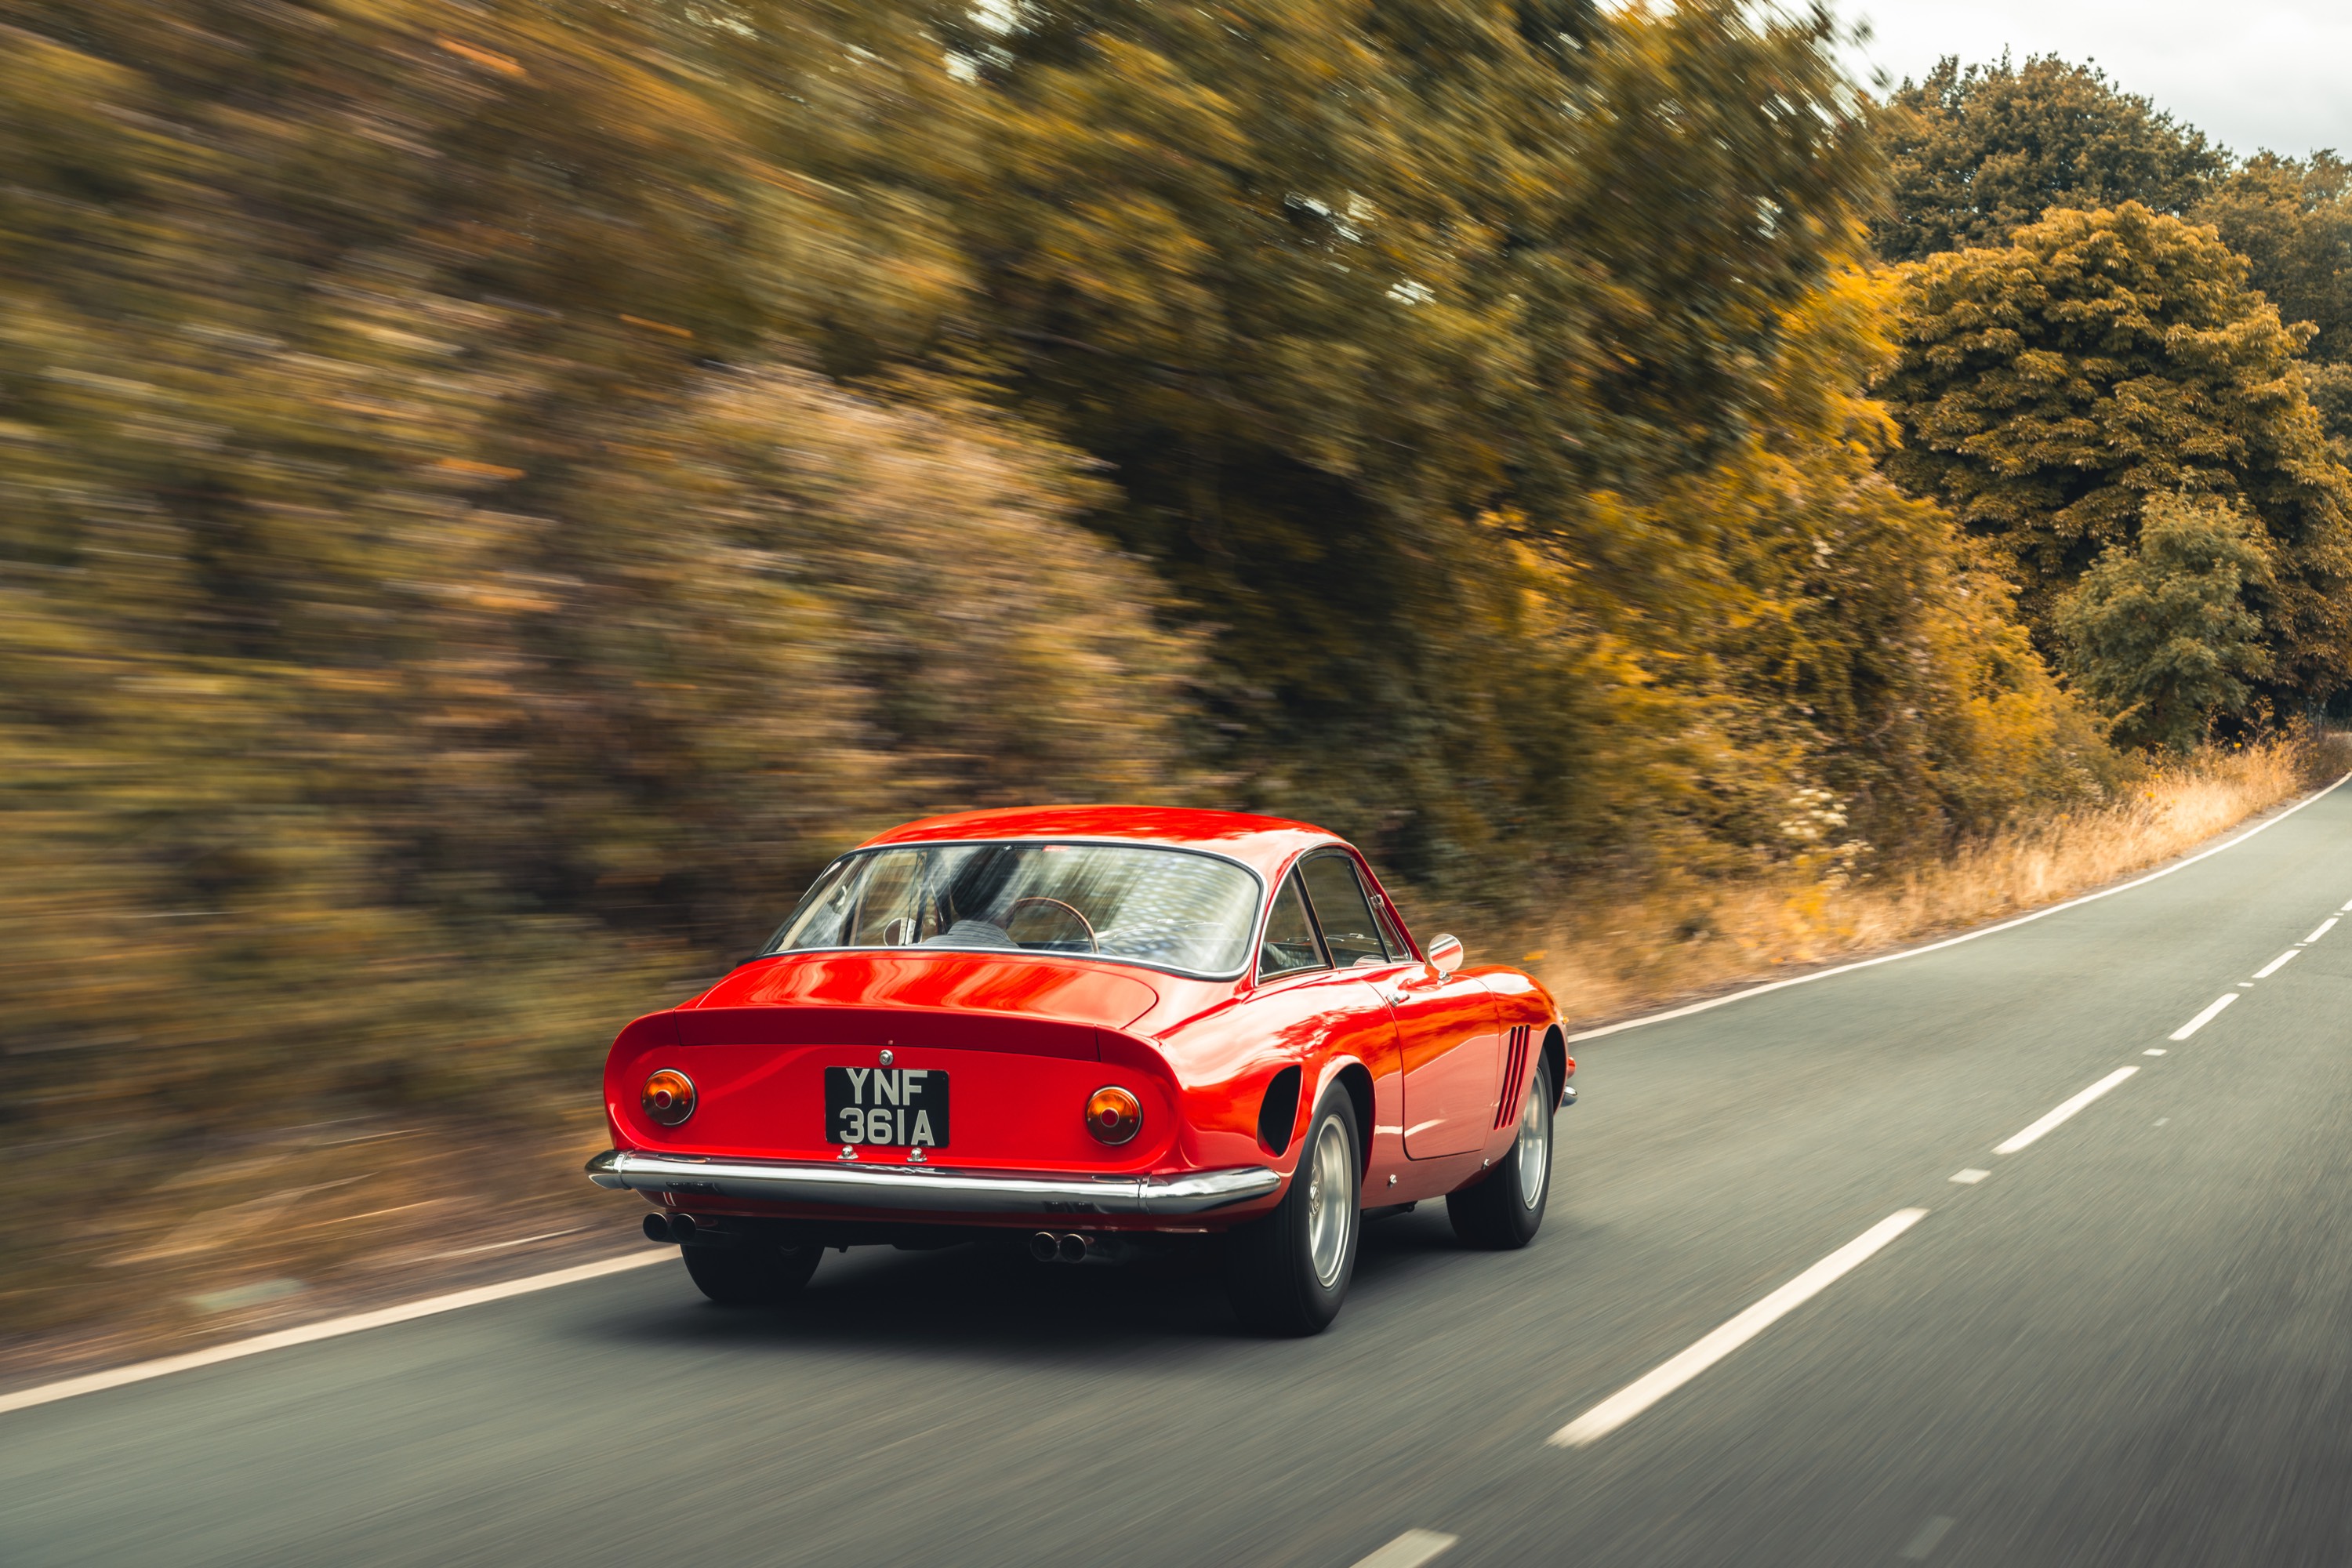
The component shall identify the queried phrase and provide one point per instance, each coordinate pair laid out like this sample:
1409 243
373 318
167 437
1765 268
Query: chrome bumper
927 1190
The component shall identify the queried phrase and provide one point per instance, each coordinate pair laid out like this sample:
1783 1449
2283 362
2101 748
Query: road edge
1688 1008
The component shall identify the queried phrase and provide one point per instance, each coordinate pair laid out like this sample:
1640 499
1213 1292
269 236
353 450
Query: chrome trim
929 1188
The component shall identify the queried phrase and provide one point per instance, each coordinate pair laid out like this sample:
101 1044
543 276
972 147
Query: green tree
1324 283
2162 637
2290 218
2046 390
1975 153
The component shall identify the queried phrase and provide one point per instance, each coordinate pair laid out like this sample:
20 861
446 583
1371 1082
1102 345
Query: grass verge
1655 946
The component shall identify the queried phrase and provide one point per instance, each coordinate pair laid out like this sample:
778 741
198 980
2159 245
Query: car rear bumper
927 1190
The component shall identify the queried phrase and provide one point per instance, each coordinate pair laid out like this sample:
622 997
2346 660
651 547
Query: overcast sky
2248 73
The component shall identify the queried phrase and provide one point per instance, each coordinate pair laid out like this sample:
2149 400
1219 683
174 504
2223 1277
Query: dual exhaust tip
675 1227
1048 1247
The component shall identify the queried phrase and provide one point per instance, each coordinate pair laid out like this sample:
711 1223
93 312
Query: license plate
904 1107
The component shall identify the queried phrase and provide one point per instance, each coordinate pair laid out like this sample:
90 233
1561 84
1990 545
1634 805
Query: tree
2162 637
1975 153
2047 389
2290 218
1323 284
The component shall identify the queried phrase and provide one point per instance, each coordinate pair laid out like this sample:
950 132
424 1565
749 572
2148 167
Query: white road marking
1685 1012
2275 964
2325 927
2064 1111
1969 1177
501 1246
1411 1550
1668 1375
2347 909
2207 1016
2153 1051
1924 1542
333 1328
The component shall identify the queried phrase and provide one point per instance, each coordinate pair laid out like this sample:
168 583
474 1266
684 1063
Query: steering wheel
1094 944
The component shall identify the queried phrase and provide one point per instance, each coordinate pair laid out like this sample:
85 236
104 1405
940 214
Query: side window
1342 911
1290 944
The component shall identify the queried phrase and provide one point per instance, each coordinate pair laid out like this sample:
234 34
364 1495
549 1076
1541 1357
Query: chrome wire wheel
1534 1147
1329 1213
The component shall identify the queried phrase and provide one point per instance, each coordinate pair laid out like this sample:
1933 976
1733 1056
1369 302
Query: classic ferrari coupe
1082 1028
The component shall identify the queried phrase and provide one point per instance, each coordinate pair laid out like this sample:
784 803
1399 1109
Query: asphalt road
2130 1344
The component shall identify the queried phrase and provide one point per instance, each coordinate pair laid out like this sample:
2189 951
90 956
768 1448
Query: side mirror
1445 954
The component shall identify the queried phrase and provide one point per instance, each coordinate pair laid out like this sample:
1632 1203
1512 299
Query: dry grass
301 1223
1663 945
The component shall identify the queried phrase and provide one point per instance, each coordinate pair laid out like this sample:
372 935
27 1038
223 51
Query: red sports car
1089 1026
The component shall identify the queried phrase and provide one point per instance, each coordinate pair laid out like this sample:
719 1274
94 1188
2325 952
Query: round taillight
1113 1115
668 1096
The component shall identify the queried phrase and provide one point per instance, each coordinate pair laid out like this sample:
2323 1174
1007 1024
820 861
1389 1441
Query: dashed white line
2347 909
2275 964
2153 1051
2325 927
2205 1017
1663 1379
115 1377
2064 1111
1411 1550
1969 1177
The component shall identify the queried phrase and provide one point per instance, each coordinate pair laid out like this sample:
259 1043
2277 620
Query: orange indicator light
1113 1115
668 1096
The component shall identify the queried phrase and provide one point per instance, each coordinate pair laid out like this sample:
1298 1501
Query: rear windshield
1169 907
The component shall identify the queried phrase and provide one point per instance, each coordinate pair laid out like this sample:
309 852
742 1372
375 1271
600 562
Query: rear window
1168 908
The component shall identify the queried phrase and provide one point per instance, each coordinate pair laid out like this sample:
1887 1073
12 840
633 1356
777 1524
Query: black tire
756 1274
1499 1212
1272 1275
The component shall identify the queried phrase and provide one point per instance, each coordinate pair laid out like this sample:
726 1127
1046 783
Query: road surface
2130 1342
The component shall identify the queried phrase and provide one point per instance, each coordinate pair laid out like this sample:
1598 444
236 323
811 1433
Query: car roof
1262 842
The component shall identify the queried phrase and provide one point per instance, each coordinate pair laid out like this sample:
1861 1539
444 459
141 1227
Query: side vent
1515 1067
1279 1112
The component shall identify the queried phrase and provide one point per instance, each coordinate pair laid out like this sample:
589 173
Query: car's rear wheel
1287 1272
1506 1209
756 1274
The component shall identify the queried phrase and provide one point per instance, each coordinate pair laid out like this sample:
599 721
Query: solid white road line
2275 964
1655 1385
2205 1017
333 1328
2325 927
1685 1012
2064 1111
1411 1550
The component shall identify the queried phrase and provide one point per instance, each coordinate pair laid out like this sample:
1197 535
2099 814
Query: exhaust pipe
657 1228
1048 1247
